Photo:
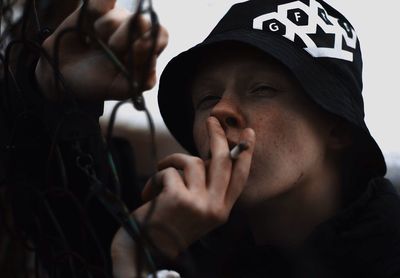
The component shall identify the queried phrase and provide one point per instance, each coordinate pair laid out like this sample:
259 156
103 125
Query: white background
189 22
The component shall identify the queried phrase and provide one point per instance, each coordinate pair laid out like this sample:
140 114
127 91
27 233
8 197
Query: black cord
15 95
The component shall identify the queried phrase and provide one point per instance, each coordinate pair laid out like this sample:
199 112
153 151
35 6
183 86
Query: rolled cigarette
238 149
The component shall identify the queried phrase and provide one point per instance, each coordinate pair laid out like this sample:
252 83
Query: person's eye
207 101
263 90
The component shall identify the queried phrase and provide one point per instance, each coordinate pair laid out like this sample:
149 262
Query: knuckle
164 33
197 207
141 46
98 7
173 156
144 23
151 82
164 178
197 161
112 20
222 157
112 43
171 172
162 43
106 25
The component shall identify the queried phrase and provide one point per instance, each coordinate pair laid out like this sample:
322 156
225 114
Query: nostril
231 121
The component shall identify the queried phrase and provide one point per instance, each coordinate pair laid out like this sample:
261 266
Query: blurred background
190 21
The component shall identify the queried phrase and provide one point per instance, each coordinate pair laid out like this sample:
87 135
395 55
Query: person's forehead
248 61
233 51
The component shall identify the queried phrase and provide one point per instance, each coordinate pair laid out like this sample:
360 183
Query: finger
167 179
94 10
193 168
220 163
106 25
120 87
241 168
151 78
144 71
145 54
151 189
119 40
144 67
142 46
123 254
97 8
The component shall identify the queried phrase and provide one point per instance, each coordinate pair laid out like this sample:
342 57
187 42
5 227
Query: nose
229 113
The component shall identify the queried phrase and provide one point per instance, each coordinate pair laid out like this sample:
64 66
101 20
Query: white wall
189 21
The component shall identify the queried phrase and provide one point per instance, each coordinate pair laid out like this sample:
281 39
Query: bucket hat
311 38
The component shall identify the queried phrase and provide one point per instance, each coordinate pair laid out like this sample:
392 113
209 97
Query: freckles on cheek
289 143
276 136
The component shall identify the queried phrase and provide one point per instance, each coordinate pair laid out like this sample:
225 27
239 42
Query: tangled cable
34 205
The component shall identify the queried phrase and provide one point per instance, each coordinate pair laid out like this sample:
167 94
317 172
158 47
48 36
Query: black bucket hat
313 40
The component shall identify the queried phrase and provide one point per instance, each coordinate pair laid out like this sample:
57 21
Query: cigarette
238 149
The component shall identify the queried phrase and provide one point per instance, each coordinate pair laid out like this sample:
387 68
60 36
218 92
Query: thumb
123 255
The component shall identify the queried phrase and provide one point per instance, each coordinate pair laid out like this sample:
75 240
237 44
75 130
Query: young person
307 198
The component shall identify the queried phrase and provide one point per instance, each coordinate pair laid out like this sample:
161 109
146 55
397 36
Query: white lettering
324 15
284 21
273 27
347 27
297 15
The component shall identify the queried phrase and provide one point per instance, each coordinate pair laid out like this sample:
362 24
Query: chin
251 197
255 194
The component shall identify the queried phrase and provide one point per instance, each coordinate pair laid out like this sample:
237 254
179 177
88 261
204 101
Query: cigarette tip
238 149
243 146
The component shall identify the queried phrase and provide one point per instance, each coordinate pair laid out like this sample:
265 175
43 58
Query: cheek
276 139
287 149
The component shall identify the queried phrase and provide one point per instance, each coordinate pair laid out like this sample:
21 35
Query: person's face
242 88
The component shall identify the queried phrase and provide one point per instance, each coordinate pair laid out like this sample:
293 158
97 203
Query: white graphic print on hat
296 18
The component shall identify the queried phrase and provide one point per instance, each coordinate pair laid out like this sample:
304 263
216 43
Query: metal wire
52 243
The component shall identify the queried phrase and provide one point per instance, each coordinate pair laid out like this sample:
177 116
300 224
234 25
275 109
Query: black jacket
363 240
